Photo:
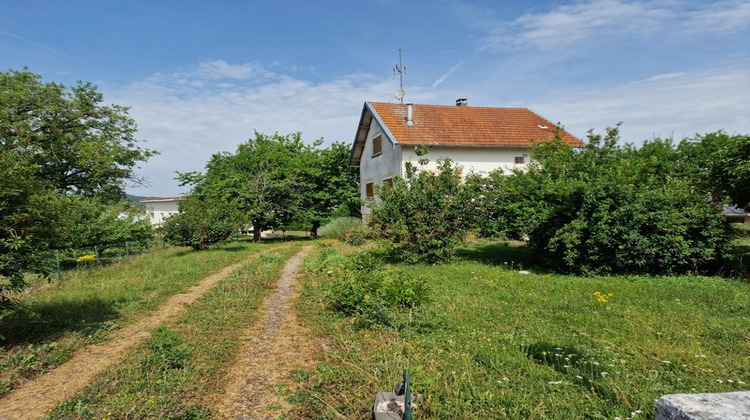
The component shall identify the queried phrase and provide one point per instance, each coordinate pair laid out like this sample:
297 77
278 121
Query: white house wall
158 211
478 160
375 169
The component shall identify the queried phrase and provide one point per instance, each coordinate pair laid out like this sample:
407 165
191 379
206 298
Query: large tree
609 208
277 181
720 164
56 141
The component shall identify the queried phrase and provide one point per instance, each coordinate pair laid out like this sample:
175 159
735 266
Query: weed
339 227
166 351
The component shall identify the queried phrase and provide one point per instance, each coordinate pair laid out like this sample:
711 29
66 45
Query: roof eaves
382 124
361 137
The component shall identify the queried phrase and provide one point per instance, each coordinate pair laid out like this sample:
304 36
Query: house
159 209
479 139
735 214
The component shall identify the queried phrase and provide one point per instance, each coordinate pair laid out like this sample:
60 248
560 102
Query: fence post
58 270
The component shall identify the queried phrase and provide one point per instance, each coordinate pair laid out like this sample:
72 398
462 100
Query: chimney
409 114
462 102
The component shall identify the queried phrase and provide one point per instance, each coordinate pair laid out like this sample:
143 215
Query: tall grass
506 342
49 324
178 372
338 227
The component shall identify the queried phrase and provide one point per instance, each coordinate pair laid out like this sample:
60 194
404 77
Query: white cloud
722 16
196 112
592 20
443 77
671 105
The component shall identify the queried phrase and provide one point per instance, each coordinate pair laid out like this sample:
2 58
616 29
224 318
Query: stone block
717 406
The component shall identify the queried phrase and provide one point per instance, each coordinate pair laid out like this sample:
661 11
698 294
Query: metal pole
407 396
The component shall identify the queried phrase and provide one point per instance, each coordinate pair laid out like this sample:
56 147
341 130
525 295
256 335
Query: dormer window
377 145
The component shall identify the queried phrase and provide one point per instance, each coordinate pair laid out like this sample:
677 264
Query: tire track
37 397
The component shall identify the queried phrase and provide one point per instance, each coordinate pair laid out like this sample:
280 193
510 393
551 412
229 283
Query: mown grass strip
497 341
52 322
178 372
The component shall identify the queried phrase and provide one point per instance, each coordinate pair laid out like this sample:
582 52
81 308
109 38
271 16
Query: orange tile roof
466 125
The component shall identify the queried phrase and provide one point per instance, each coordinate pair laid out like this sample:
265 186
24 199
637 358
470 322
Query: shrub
339 227
611 209
421 218
199 224
373 296
632 229
357 235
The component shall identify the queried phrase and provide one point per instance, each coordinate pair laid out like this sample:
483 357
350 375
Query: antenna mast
400 70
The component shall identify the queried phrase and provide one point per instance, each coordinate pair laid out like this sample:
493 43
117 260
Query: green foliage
166 351
358 235
339 227
371 296
87 222
200 224
57 142
608 209
66 137
279 181
421 218
720 164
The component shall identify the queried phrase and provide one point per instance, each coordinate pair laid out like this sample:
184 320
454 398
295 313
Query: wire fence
100 255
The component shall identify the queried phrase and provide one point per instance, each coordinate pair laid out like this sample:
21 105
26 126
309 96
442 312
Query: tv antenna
400 70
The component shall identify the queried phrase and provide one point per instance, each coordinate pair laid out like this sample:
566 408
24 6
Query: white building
159 209
479 139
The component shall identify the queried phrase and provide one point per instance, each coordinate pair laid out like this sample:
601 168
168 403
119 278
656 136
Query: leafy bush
199 224
631 229
357 235
609 209
339 227
373 296
421 218
355 286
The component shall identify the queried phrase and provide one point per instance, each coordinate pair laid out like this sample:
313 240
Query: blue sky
202 76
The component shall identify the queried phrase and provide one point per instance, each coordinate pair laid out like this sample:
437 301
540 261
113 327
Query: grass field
497 338
55 320
500 340
178 371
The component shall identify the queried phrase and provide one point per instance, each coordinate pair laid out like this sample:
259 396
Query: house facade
159 209
478 139
735 214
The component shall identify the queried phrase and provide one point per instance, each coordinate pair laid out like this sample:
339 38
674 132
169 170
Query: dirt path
34 398
276 344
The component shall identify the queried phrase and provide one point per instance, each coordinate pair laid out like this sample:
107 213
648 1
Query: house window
377 146
388 182
520 160
369 192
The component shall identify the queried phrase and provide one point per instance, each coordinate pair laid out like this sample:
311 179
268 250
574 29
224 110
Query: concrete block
717 406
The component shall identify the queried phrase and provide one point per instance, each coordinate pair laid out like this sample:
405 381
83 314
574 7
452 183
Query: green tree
277 181
333 187
720 164
617 209
87 222
55 141
200 224
72 141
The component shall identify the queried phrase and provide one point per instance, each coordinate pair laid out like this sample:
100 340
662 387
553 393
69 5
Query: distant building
160 208
736 214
